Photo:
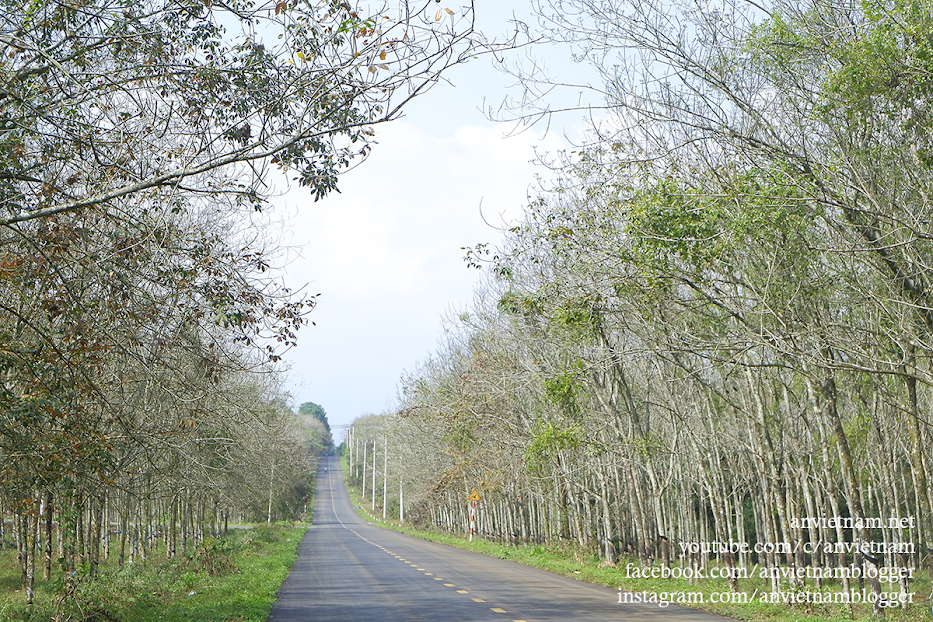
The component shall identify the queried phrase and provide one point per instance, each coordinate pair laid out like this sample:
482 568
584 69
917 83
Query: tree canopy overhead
159 100
137 285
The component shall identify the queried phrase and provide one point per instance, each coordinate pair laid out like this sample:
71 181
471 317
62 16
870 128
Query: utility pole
349 445
374 476
385 474
401 500
365 447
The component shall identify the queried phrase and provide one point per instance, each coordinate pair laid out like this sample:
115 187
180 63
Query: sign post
474 497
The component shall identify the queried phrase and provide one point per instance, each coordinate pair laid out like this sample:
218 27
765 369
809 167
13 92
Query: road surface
351 571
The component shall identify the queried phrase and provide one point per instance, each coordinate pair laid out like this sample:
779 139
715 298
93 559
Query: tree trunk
47 566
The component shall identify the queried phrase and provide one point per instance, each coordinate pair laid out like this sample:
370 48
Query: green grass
572 561
231 579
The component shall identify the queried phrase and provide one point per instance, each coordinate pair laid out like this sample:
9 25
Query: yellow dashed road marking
427 573
436 578
479 600
421 569
497 610
449 584
462 592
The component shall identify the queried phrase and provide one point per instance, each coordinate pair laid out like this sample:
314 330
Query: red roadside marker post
474 497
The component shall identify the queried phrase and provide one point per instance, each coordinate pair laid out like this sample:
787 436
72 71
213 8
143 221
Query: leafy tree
136 144
311 409
736 272
169 102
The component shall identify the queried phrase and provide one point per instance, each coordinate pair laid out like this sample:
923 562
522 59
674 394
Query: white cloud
354 250
386 254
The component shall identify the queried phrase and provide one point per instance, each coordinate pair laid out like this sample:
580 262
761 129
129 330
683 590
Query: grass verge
234 578
574 562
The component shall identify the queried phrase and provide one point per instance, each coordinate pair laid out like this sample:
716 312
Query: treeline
717 320
136 408
142 316
139 405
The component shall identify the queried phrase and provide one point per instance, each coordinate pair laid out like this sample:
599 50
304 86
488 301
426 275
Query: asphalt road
351 571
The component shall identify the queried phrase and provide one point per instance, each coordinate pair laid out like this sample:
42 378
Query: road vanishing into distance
349 570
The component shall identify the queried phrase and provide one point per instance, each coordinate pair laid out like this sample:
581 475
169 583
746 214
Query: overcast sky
386 253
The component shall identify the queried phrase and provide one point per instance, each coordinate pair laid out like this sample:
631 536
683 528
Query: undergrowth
233 578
